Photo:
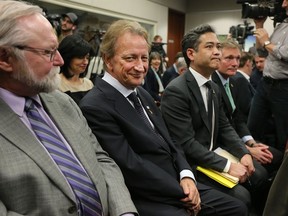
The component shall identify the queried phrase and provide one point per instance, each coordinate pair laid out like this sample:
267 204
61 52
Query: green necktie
228 92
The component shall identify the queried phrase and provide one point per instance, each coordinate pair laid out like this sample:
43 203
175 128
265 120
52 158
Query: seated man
178 67
50 161
129 126
199 124
235 90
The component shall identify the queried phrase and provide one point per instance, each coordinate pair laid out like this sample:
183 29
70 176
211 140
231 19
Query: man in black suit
257 73
133 132
239 91
186 114
245 91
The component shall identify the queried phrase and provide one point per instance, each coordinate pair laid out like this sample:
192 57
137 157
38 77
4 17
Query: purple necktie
85 191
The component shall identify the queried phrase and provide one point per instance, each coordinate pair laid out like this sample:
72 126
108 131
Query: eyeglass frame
46 52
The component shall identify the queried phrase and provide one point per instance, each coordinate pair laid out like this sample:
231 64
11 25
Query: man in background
69 22
257 72
178 67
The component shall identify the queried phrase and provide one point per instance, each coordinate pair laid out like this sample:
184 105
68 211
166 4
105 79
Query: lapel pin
148 108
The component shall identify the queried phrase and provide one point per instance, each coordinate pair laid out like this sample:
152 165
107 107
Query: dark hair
191 39
156 55
73 46
245 56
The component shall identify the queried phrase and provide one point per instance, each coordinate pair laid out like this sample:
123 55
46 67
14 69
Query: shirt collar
15 102
224 81
117 85
201 80
244 74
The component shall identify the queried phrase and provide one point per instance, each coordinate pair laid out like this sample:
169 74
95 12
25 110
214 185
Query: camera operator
69 22
272 92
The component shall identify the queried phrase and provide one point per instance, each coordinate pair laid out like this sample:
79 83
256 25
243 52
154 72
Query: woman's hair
73 46
156 55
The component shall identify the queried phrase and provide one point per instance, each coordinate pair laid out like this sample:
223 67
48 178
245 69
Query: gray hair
181 62
11 32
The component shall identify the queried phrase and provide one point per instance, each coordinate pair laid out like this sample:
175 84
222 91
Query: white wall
144 11
221 20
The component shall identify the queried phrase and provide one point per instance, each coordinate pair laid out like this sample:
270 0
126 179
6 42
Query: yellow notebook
221 177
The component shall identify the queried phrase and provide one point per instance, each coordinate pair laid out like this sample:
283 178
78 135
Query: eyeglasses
49 53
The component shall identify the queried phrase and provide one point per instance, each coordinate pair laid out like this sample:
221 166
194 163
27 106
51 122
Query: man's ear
190 53
5 60
107 60
74 27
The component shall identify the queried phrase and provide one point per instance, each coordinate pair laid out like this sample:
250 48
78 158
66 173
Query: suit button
72 209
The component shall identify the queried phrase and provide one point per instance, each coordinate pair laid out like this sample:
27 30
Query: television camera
241 32
258 9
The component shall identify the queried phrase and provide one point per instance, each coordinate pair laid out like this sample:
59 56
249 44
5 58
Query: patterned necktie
139 109
209 102
228 92
85 191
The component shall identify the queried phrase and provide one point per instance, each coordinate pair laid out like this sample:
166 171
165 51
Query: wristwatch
266 43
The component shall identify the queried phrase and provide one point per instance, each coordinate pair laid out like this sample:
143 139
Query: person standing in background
272 91
69 22
157 46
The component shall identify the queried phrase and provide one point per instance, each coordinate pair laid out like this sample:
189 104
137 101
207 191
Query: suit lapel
195 91
123 108
226 101
19 135
154 116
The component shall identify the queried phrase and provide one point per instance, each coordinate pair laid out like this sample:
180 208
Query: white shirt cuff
187 173
227 167
246 138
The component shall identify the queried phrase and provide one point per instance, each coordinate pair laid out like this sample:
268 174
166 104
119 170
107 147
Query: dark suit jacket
31 183
277 200
237 118
185 115
151 85
244 93
169 75
255 78
151 170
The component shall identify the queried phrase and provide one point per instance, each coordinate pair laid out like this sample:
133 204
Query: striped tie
139 109
85 191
